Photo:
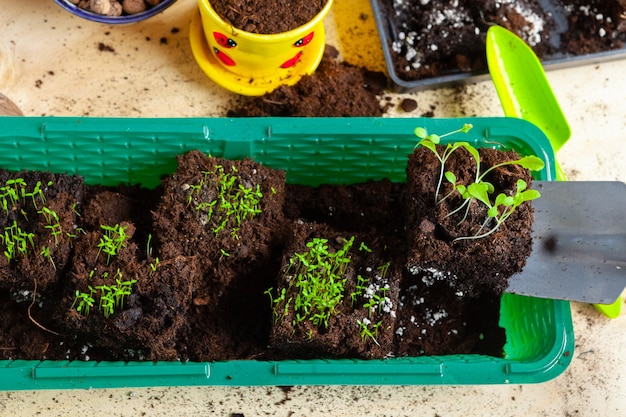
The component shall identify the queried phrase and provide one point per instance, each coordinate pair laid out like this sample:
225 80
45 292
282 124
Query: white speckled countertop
51 63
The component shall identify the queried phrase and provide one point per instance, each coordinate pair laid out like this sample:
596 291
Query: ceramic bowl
112 20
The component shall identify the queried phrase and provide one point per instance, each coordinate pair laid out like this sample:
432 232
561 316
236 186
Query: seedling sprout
112 240
234 203
318 276
479 190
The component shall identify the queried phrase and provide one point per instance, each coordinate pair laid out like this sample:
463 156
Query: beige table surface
52 63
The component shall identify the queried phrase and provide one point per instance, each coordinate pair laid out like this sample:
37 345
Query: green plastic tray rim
312 151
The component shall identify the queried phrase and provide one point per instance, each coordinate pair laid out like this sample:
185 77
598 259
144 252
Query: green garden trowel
576 256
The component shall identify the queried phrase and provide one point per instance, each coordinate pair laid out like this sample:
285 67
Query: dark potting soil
440 37
186 305
267 16
335 89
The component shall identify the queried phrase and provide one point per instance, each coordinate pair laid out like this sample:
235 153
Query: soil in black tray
167 274
439 37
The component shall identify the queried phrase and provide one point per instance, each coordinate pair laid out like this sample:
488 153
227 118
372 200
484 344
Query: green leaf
531 162
420 132
493 212
427 143
478 190
503 200
450 177
529 195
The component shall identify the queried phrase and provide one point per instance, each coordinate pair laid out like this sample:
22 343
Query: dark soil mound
335 89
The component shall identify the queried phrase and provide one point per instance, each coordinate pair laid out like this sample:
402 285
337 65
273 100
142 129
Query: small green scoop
522 86
525 93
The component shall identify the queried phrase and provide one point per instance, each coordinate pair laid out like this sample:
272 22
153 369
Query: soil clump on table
335 89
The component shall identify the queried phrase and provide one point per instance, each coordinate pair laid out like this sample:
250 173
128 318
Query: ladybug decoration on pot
229 43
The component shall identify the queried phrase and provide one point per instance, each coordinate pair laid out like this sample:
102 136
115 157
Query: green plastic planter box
108 151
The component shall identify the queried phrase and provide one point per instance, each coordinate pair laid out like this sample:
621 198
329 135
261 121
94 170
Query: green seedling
431 141
52 223
107 302
112 240
16 241
149 246
318 278
111 298
234 203
154 265
480 190
37 192
503 206
14 191
85 301
45 252
73 235
75 209
366 331
359 289
11 193
275 303
364 248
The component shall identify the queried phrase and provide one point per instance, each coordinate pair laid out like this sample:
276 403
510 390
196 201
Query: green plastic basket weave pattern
108 151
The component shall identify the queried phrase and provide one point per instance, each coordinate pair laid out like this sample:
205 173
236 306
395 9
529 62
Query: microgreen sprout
45 252
367 331
85 301
112 240
359 289
11 192
107 302
37 192
154 265
364 247
75 209
318 276
52 223
111 297
149 246
16 241
233 204
14 191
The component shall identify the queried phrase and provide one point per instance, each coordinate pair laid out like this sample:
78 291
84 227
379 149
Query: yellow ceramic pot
254 64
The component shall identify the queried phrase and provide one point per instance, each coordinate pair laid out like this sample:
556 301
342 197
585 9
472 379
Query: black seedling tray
611 46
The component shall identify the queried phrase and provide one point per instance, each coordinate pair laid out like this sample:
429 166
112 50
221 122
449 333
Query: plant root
42 327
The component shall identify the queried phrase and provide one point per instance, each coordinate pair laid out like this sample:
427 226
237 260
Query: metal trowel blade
579 243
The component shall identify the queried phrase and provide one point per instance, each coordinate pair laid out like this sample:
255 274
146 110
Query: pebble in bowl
115 11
